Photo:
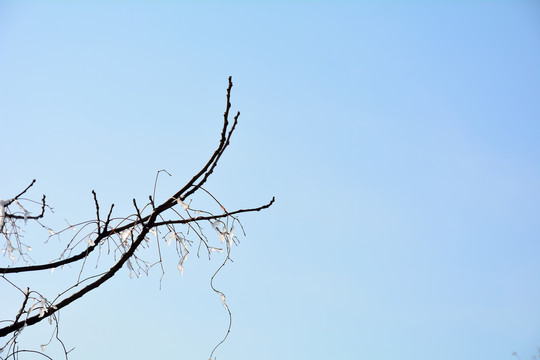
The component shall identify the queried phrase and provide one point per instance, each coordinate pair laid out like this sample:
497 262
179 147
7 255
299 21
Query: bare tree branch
122 237
22 193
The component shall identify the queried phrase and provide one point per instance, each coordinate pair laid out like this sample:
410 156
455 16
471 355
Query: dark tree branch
138 212
19 217
23 306
215 156
211 170
97 212
18 196
108 219
137 229
214 217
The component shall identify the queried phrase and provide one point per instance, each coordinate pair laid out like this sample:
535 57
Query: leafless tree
174 221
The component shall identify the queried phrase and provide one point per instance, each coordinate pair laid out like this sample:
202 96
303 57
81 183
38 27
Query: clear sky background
401 140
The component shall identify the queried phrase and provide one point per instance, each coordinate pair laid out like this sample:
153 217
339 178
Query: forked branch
121 235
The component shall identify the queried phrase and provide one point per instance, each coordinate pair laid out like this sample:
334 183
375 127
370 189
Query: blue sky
401 140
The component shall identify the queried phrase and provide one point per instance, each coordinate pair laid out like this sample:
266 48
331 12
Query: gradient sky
401 140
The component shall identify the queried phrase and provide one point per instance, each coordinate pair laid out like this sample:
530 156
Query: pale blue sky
401 140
